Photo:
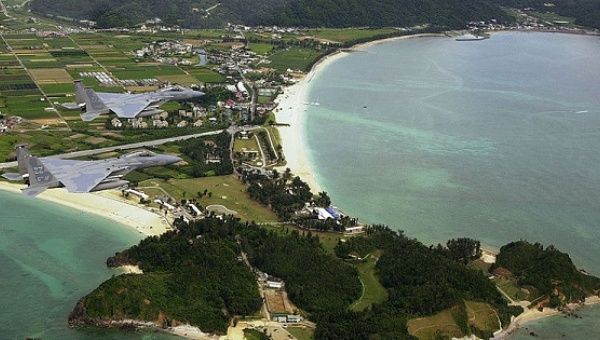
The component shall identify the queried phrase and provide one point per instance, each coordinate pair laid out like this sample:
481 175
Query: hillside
307 13
550 271
584 12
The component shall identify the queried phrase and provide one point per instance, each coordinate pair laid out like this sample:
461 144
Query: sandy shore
291 109
534 314
105 204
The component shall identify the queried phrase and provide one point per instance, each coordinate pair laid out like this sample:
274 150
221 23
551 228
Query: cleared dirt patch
50 75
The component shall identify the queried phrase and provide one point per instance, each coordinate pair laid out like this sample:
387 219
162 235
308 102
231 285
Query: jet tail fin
22 155
40 178
93 104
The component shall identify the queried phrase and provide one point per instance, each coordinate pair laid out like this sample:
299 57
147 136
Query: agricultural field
226 190
205 75
295 58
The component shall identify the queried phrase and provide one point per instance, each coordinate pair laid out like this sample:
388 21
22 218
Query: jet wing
77 176
125 105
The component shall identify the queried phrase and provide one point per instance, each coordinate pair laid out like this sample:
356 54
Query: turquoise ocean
497 140
50 257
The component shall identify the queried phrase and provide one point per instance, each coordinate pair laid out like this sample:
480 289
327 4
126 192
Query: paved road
149 143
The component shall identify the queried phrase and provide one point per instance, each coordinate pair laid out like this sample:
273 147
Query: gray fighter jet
81 176
126 105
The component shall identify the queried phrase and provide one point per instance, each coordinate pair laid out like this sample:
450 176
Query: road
4 10
149 143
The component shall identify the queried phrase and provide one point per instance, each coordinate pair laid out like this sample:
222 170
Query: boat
472 37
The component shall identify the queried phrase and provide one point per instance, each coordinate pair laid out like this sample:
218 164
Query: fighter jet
81 176
126 105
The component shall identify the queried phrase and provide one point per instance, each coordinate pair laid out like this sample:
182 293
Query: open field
260 48
482 316
50 75
441 324
205 75
348 34
295 58
373 291
275 302
510 287
302 333
226 190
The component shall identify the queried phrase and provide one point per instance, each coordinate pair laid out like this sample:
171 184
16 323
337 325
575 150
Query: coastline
531 315
103 204
291 110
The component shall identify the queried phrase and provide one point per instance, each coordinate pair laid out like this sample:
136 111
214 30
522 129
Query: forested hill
306 13
585 12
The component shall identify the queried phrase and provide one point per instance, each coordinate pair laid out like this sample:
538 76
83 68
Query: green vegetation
225 190
549 270
192 275
253 334
295 58
302 333
285 195
206 75
299 260
584 12
349 34
260 48
420 282
306 13
373 291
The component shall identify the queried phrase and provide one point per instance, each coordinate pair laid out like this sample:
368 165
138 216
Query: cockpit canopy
139 153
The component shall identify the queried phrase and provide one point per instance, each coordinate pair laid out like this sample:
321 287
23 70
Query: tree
464 249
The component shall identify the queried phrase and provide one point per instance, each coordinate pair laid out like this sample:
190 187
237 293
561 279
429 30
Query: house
160 123
213 159
355 230
198 123
115 122
293 318
182 124
274 282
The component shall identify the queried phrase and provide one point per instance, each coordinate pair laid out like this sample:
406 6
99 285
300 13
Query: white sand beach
106 204
291 110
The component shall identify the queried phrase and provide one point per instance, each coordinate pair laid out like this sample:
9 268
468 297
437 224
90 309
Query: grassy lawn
302 333
226 190
511 288
248 144
551 17
482 316
431 327
348 34
373 292
295 58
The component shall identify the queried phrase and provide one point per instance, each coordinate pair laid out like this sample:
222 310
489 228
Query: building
274 282
116 123
354 230
293 318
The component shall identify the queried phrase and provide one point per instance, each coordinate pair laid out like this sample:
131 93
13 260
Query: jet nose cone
173 159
